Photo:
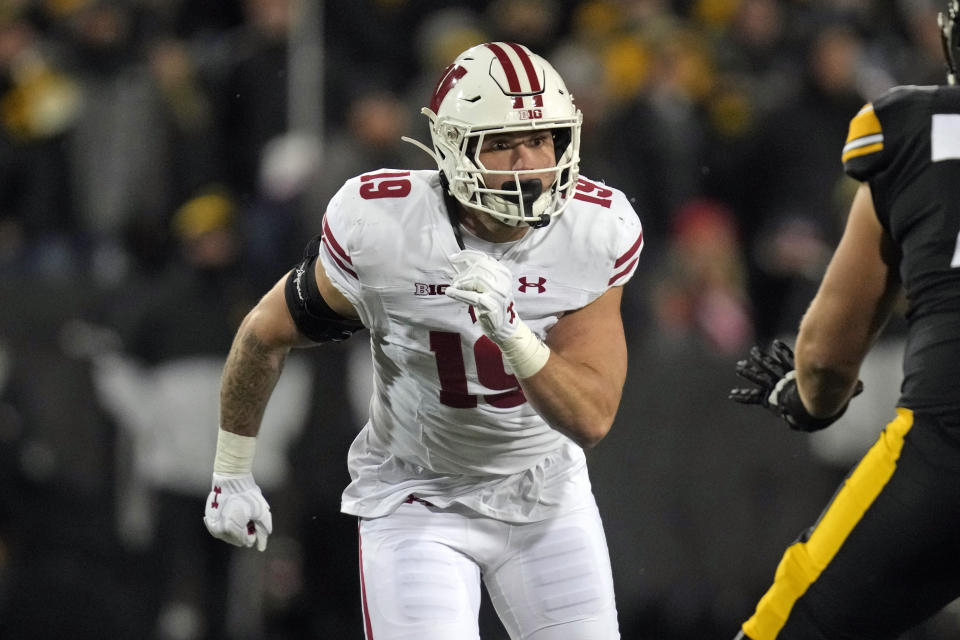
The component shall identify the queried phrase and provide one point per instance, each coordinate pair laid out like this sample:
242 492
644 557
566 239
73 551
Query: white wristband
524 352
234 453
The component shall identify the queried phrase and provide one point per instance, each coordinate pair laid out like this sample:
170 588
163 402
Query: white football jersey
448 422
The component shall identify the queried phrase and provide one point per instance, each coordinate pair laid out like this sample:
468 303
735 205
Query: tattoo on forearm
249 375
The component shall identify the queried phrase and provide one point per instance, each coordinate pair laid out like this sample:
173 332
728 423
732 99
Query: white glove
237 511
487 286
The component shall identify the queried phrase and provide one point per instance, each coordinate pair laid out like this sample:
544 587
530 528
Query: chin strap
542 222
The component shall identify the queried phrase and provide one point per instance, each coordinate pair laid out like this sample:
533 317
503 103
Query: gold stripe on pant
803 562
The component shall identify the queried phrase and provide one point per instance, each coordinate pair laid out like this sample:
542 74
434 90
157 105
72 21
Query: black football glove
776 378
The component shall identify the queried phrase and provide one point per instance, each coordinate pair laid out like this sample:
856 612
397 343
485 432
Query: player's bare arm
254 363
811 389
261 345
236 511
578 390
849 311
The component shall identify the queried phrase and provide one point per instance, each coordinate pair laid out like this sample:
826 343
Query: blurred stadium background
162 162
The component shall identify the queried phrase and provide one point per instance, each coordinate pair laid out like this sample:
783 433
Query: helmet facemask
525 196
501 88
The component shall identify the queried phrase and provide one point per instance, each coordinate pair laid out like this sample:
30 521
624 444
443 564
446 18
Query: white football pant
420 571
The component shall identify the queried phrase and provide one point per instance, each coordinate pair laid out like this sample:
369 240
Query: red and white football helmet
494 88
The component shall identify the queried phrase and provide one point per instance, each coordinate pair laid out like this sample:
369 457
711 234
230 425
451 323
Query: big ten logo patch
422 289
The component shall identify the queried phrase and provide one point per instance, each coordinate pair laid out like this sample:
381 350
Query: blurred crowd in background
163 162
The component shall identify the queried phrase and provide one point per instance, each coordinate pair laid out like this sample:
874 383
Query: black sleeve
310 312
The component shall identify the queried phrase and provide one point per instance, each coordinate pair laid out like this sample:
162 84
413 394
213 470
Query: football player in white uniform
498 356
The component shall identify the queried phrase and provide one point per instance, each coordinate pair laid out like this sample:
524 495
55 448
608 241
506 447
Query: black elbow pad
310 312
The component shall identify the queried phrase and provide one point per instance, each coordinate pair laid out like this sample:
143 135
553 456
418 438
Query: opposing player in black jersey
885 554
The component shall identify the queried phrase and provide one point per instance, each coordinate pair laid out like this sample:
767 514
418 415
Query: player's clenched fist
237 512
487 285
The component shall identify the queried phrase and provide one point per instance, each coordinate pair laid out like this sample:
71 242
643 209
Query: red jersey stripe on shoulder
630 252
512 79
328 235
527 66
337 259
617 276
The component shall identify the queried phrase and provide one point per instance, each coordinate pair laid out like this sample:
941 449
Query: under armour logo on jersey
538 285
513 315
216 494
